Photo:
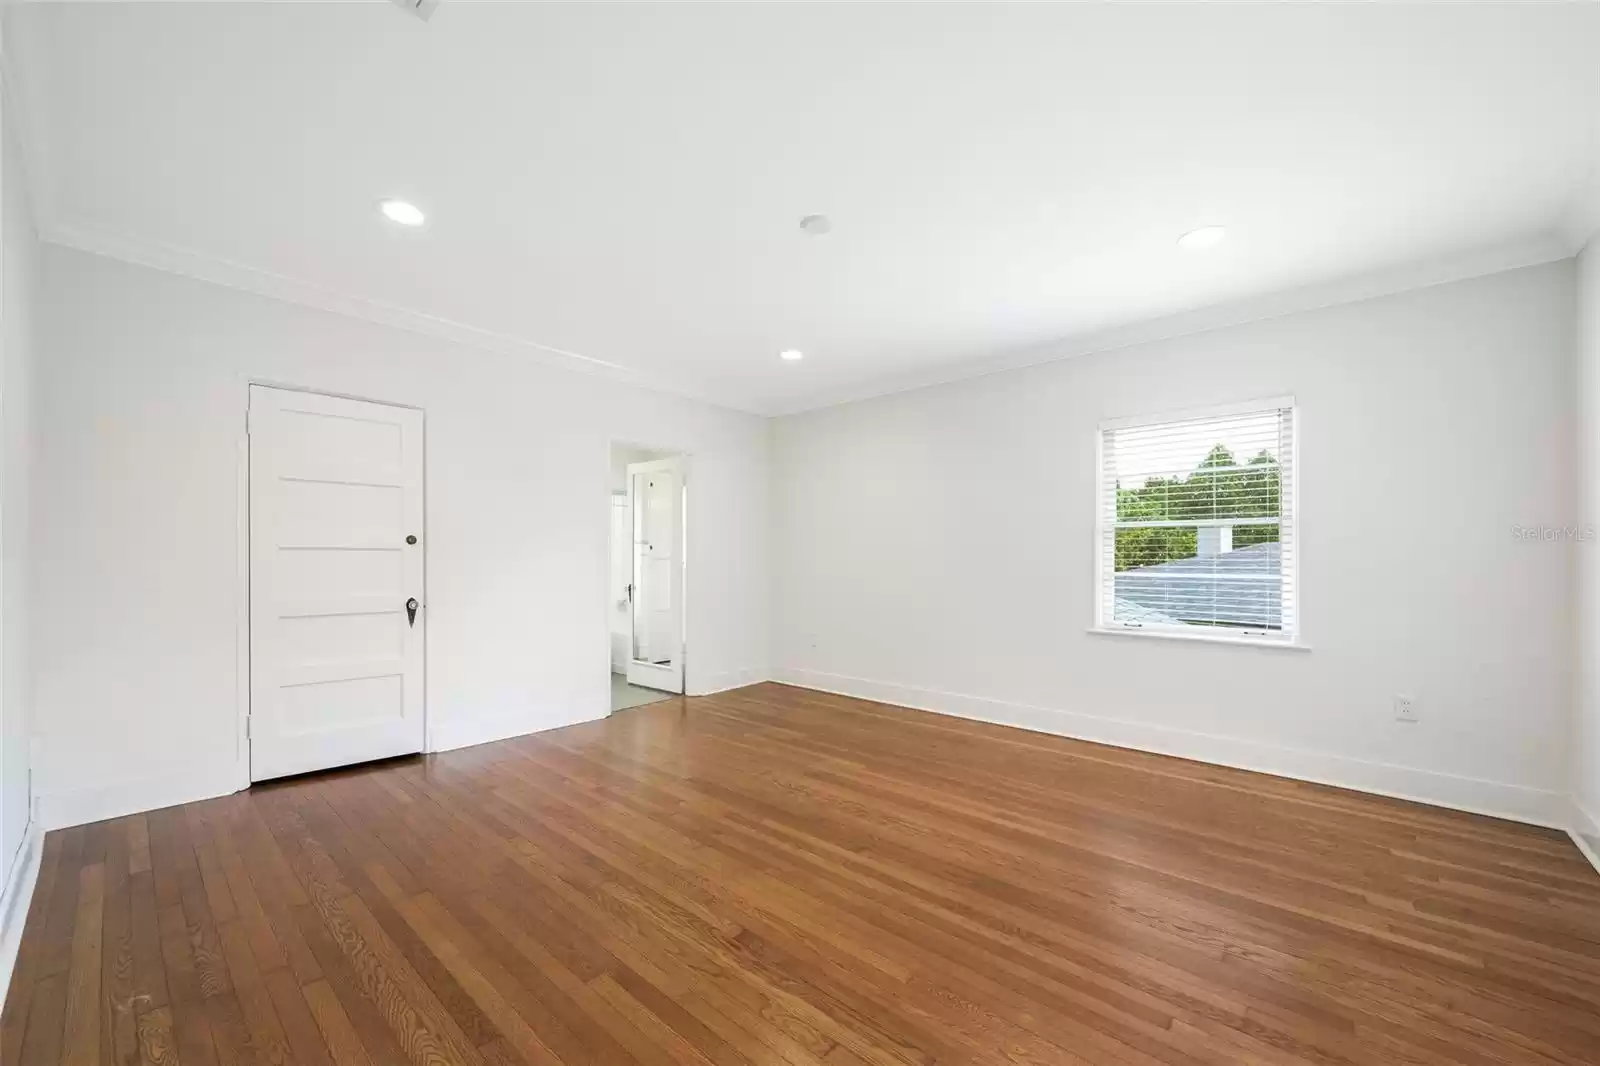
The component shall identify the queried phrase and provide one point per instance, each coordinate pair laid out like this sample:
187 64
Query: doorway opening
648 540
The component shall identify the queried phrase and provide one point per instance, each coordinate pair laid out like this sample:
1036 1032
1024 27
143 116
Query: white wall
140 670
19 257
1586 739
935 548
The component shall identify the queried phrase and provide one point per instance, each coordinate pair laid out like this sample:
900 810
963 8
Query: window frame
1290 635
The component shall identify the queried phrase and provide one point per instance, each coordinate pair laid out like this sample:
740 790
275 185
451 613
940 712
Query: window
1197 523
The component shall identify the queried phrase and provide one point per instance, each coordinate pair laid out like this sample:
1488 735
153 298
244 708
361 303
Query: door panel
330 637
316 512
655 492
332 574
336 670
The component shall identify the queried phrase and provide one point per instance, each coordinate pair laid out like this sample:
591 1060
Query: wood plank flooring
775 877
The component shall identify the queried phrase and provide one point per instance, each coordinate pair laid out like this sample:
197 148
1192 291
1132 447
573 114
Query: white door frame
684 462
242 587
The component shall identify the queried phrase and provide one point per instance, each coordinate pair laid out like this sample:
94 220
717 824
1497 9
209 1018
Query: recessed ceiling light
815 225
1204 237
403 213
791 355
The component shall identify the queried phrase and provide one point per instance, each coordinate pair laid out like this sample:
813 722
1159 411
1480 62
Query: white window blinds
1197 523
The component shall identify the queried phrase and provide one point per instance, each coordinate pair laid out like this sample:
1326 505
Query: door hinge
247 720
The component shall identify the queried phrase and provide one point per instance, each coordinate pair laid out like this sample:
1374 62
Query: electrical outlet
1405 709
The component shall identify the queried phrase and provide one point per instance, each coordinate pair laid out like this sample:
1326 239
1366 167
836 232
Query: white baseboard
1494 798
729 679
448 735
14 901
1584 830
58 810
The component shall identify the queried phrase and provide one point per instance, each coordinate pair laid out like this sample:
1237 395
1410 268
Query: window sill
1198 638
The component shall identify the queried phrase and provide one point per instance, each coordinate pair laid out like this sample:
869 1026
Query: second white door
655 496
336 582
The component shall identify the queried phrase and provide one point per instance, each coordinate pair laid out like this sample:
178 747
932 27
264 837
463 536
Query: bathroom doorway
648 542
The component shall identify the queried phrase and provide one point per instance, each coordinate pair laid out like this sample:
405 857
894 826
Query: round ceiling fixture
815 225
398 211
1204 237
791 355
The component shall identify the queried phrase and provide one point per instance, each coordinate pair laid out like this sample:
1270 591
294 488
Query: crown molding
1531 251
1581 221
218 271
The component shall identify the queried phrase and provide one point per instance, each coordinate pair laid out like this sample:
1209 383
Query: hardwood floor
781 878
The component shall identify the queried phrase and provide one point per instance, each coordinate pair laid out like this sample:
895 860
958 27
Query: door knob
411 611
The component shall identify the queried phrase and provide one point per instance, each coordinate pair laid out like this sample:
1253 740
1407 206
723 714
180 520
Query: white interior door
336 582
655 493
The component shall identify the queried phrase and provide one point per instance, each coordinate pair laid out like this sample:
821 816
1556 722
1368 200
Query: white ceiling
623 183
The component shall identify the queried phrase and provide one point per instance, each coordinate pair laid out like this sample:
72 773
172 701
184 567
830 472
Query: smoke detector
423 9
816 225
